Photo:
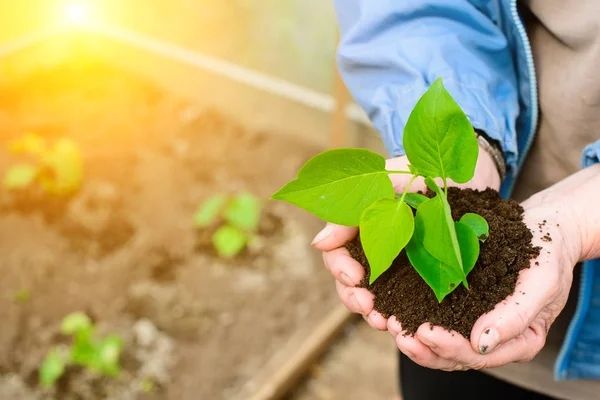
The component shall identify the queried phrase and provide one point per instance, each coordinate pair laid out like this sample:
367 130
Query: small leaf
439 139
469 247
22 296
435 227
229 241
478 224
385 228
338 185
28 144
62 171
441 278
415 199
243 212
209 211
52 368
20 176
74 323
107 355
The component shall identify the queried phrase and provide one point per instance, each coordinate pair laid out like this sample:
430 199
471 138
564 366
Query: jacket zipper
533 95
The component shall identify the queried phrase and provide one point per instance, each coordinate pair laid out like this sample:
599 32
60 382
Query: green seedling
87 350
22 296
57 168
351 187
237 218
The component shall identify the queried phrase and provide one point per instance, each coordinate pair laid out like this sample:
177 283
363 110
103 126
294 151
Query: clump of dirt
400 291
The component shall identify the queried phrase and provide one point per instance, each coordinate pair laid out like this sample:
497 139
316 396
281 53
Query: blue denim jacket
392 50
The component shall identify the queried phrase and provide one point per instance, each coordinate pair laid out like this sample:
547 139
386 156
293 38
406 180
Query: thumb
334 236
515 314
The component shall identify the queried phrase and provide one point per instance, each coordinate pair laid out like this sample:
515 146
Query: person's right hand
348 272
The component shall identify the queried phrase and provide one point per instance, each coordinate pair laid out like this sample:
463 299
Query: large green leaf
435 227
469 247
439 139
478 224
338 185
20 176
441 278
243 212
385 228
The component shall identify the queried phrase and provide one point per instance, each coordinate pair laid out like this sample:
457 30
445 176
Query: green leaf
208 212
385 228
107 355
469 247
243 212
63 167
28 144
439 139
415 199
75 322
435 227
52 368
441 278
338 185
478 224
20 176
229 241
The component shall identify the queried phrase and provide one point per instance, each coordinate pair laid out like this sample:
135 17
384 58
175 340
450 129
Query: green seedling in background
238 218
351 187
57 168
87 350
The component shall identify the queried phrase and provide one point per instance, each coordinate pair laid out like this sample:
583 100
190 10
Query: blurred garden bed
125 251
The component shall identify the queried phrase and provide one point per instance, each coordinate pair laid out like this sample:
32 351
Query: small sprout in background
237 220
22 296
147 385
57 168
87 350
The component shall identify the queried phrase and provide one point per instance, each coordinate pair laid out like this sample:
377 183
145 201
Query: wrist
486 172
494 150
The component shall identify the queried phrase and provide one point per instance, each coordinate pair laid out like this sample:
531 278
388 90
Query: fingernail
355 304
345 279
325 232
488 340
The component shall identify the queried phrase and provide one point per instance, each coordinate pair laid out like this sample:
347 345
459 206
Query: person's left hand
515 331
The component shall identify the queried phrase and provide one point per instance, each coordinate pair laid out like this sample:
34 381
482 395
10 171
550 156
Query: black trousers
420 383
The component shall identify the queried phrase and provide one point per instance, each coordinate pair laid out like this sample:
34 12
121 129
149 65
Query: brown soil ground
124 250
361 365
400 291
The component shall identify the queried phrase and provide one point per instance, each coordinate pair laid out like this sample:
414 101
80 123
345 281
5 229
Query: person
527 79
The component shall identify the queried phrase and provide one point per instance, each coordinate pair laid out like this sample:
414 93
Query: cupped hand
348 272
516 330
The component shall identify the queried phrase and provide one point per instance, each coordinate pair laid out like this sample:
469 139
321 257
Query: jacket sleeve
591 154
391 51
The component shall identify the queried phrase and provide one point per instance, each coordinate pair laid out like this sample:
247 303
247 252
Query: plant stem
399 172
407 187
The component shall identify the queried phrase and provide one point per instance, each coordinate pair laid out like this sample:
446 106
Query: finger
377 321
414 349
334 236
343 267
458 350
537 286
357 300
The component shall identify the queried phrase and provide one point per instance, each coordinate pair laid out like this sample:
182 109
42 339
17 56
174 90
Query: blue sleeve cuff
475 100
591 154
